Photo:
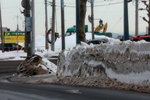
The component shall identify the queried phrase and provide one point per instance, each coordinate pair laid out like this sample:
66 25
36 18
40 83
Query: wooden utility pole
126 24
62 25
136 17
1 27
53 25
46 26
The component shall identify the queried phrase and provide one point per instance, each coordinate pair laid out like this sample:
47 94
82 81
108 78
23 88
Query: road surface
8 66
56 92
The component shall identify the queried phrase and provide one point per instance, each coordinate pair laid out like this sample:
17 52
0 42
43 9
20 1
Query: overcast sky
107 10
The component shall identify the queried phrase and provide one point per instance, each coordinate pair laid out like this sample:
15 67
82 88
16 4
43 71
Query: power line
109 4
71 6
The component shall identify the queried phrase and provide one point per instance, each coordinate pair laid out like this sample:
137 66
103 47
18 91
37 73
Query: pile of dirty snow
36 65
126 62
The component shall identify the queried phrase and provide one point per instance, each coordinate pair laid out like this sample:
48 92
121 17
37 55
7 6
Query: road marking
74 91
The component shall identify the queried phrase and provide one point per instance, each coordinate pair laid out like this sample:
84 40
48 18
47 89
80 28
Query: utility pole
62 25
17 29
1 27
33 27
46 26
136 17
17 23
126 24
78 41
92 17
53 25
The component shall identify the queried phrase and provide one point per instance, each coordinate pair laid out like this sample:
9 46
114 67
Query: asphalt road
8 66
56 92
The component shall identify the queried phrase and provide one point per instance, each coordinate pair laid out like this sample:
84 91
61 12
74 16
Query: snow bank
124 61
36 65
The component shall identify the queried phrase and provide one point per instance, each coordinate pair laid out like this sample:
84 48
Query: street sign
28 24
14 37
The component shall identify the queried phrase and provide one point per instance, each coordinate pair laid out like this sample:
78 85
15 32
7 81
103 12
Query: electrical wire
109 4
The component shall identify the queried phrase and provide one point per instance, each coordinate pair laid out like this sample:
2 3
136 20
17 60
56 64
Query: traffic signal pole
28 27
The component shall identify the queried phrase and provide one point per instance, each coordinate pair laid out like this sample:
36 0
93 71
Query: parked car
99 41
138 38
11 47
121 37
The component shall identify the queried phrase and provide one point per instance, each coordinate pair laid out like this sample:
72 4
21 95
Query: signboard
14 37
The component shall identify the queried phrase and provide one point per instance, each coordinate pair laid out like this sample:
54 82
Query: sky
106 10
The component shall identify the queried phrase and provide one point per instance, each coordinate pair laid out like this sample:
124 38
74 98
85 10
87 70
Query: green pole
78 22
126 24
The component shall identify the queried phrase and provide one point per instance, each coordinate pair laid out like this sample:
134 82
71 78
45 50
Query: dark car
121 37
99 41
11 47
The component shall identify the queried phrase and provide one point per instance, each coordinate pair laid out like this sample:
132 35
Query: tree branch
145 19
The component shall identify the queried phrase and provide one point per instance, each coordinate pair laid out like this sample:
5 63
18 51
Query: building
5 29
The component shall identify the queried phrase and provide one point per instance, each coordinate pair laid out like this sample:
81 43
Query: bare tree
82 20
147 8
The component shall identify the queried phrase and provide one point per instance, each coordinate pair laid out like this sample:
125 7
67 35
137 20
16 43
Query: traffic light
23 3
27 7
26 4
